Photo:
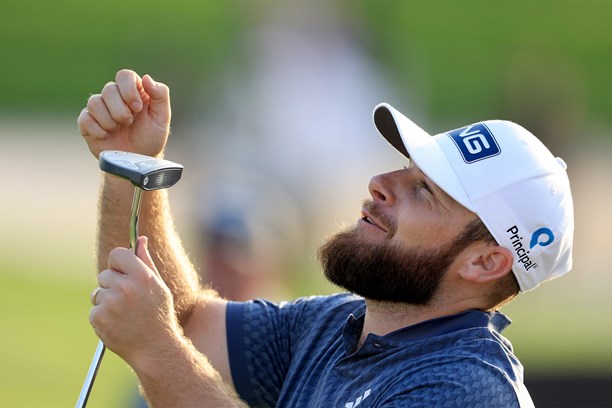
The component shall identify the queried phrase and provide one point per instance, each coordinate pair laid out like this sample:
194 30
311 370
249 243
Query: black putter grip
146 172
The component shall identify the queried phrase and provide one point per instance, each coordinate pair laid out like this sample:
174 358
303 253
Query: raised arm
136 314
133 114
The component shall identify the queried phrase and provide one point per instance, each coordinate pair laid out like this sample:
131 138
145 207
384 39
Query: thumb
159 93
144 255
159 100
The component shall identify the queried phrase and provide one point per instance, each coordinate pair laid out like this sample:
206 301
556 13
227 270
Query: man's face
404 243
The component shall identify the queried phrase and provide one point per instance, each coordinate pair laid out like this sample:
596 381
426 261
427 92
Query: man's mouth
367 218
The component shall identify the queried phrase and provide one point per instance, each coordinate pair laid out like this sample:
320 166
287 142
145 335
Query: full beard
384 271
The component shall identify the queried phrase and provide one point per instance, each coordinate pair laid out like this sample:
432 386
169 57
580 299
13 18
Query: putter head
146 172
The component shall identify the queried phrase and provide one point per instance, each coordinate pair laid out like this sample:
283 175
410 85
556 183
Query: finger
89 126
108 278
130 87
159 98
124 261
117 107
157 91
98 110
119 258
93 319
99 319
143 253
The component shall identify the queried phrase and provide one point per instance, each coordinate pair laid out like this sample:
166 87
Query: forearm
156 223
181 376
113 217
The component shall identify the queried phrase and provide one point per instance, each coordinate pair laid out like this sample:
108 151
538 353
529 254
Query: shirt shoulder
457 361
461 382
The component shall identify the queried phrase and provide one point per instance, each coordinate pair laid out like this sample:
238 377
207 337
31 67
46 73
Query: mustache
374 209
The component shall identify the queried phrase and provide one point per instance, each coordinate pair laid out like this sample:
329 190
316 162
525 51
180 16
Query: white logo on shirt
355 403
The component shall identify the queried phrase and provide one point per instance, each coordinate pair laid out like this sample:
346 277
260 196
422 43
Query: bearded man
480 214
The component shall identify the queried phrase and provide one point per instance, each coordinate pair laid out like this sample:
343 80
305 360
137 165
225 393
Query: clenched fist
130 114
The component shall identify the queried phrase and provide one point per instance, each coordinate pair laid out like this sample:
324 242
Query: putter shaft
97 358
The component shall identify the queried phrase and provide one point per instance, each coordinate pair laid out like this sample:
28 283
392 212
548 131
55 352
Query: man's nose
381 189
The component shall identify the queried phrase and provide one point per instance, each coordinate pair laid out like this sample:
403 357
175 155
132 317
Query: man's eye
426 186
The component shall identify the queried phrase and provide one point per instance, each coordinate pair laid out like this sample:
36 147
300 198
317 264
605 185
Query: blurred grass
47 344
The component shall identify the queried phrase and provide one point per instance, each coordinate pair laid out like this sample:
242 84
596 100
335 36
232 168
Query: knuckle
94 317
117 253
111 126
94 101
84 118
122 116
103 278
89 126
163 87
108 88
124 73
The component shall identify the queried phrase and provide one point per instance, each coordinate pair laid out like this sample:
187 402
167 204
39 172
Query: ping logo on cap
475 142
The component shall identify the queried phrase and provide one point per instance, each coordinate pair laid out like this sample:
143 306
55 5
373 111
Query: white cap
504 174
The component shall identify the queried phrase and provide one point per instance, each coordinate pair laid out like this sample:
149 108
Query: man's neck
382 318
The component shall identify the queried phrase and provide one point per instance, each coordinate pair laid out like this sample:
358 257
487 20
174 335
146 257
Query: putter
145 173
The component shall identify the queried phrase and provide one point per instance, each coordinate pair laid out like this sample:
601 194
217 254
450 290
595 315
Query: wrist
152 358
113 181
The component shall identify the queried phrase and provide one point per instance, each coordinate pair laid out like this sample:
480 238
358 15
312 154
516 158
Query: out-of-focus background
272 107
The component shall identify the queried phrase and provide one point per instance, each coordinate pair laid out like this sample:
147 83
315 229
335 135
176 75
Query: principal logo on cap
542 237
475 142
522 253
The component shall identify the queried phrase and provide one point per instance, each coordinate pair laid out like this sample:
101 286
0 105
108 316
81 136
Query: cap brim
422 148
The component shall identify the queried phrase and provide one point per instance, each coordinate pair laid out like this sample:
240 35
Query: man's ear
486 262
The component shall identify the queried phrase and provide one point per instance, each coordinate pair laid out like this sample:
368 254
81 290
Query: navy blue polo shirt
304 354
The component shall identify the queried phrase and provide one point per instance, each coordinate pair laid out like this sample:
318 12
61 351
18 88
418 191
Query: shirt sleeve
256 345
262 337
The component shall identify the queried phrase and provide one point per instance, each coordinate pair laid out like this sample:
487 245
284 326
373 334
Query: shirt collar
469 319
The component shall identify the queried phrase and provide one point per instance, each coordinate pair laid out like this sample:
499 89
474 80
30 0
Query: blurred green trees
459 57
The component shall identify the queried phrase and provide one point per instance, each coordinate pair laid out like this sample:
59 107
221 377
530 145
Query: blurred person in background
242 250
312 65
482 213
